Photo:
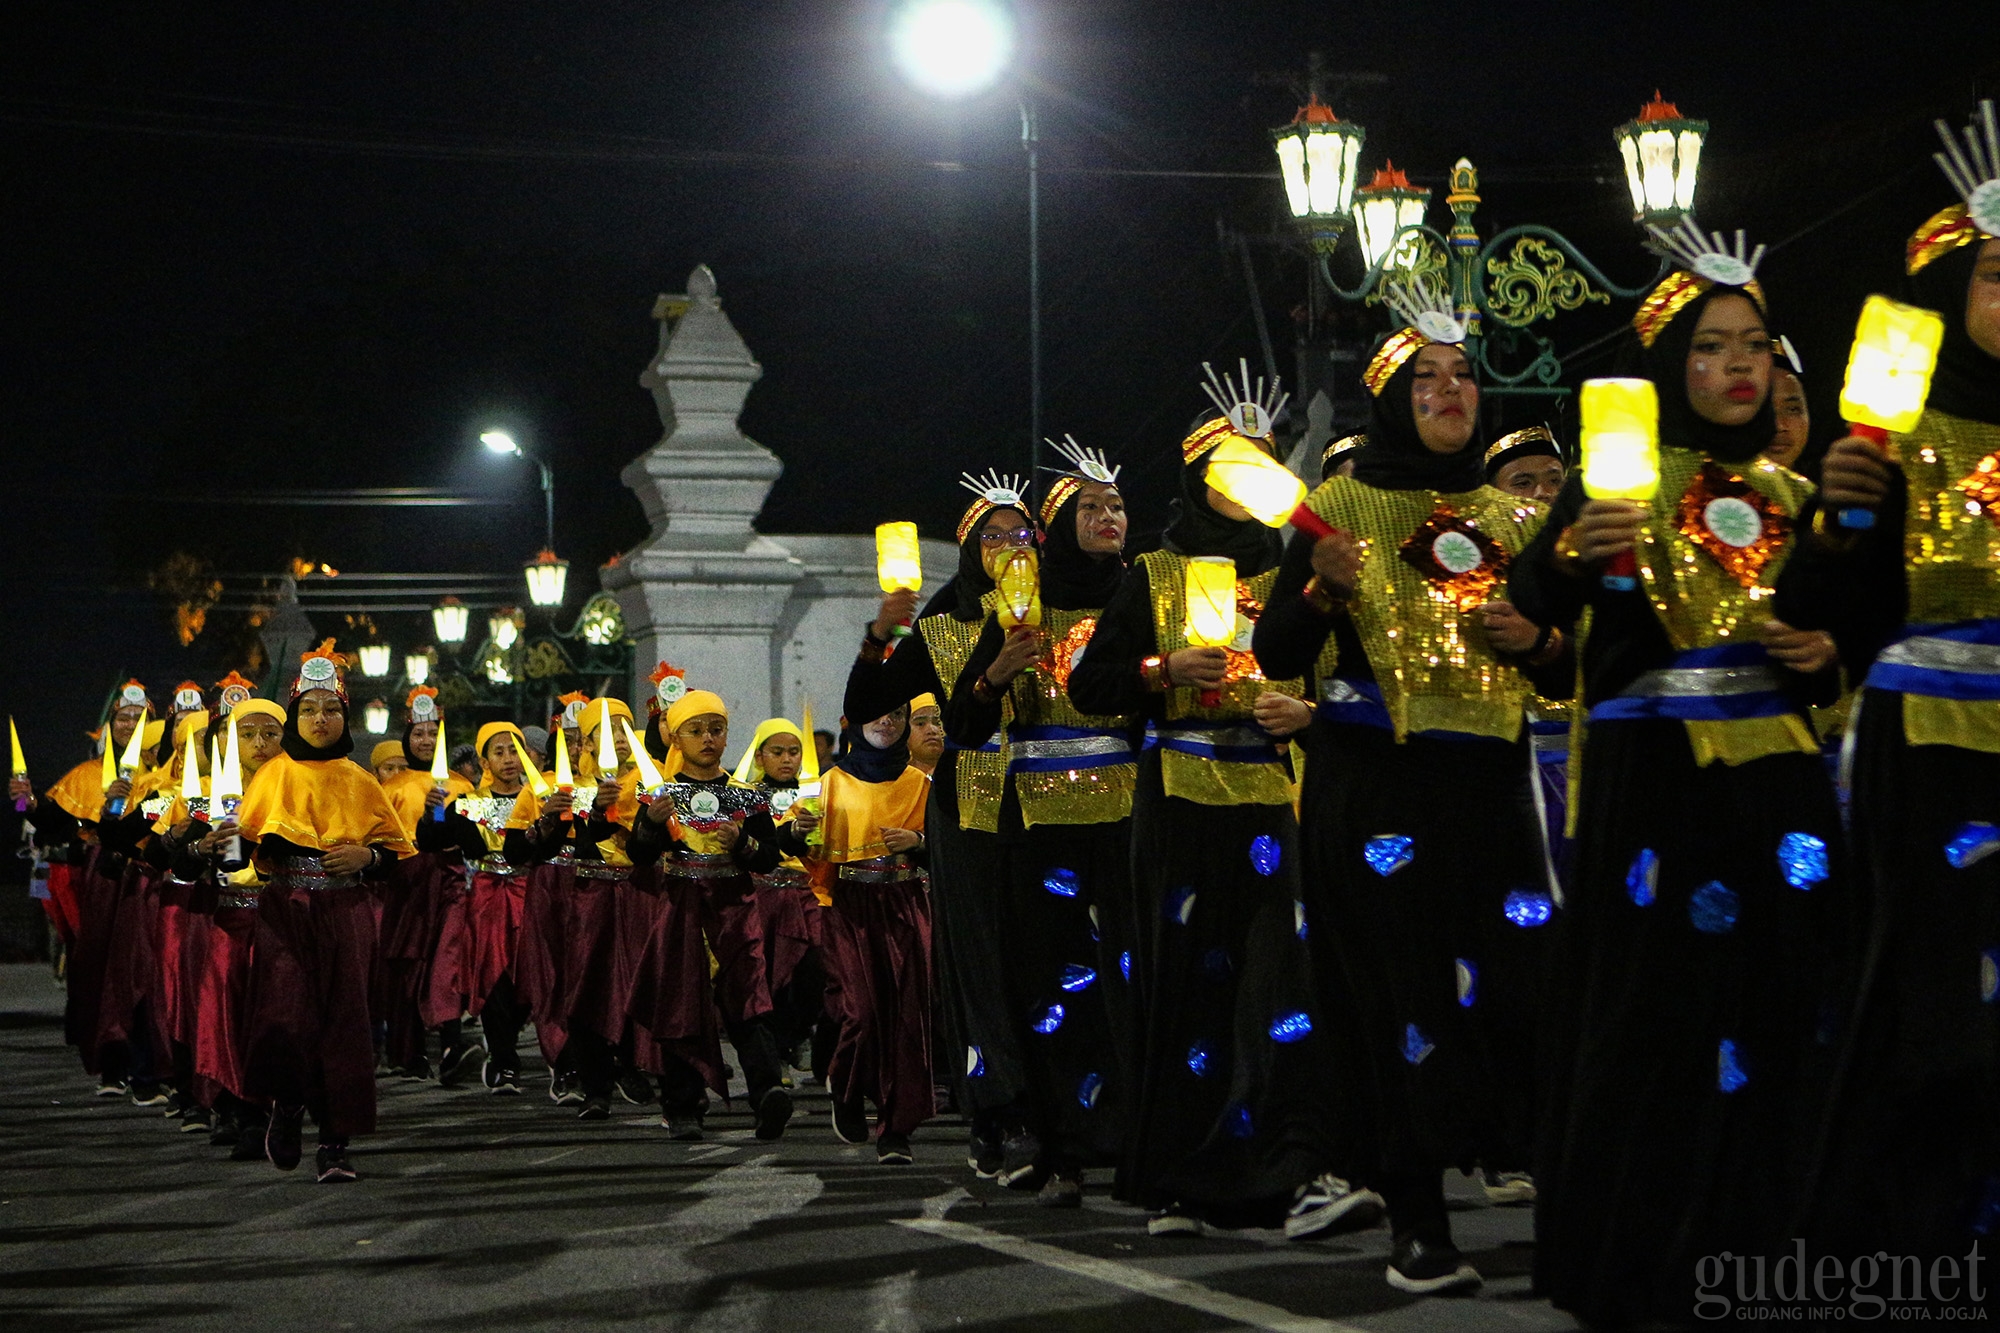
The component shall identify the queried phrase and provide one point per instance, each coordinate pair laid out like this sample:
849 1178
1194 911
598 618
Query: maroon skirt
96 898
409 924
672 1000
174 929
734 916
494 911
447 980
537 954
878 962
310 1040
131 966
788 916
222 984
61 902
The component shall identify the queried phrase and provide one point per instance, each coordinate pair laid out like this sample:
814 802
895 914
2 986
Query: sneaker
595 1108
982 1154
333 1166
177 1105
850 1122
1329 1202
893 1149
149 1094
564 1089
1021 1161
1064 1190
636 1088
1174 1220
774 1108
226 1132
1423 1268
682 1126
112 1087
197 1120
250 1136
281 1138
1509 1189
417 1071
502 1082
459 1064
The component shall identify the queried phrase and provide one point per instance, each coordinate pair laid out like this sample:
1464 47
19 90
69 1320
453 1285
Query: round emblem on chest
704 805
1245 628
1457 552
1733 521
782 798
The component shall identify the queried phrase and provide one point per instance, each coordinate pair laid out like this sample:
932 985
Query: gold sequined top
1215 781
982 774
1428 562
1089 793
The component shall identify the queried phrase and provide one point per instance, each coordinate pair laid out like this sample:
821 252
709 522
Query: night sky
252 247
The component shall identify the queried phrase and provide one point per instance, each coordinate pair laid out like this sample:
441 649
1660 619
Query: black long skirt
1912 1165
1690 1018
1233 1111
1431 859
968 892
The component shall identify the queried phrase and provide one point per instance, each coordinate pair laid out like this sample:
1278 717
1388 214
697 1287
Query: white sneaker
1326 1200
1509 1189
1173 1221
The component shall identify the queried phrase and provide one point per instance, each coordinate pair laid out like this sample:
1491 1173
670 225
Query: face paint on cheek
1423 409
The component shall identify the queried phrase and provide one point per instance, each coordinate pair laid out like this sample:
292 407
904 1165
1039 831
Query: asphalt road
477 1212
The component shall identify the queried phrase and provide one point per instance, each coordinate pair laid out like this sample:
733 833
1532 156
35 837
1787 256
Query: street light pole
1031 144
548 504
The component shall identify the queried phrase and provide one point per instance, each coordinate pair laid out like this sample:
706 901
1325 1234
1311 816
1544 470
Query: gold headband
1943 232
1341 446
1205 437
1521 436
1059 492
1675 293
1400 346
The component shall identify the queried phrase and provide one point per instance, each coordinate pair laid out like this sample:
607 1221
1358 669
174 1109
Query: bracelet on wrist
1322 598
1153 674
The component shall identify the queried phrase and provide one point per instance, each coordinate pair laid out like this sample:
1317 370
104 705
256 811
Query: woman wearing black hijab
1066 839
1693 958
1913 1161
1228 1121
1418 812
964 812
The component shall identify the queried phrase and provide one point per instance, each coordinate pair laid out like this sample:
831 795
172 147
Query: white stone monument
763 620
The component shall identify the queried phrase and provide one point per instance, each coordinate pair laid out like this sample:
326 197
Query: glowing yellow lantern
1211 608
128 763
1621 454
1889 370
1265 488
440 770
190 772
1020 585
20 769
607 747
899 563
650 780
565 779
228 783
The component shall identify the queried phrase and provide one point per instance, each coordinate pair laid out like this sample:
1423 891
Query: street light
374 659
451 618
504 627
501 442
375 717
958 48
1318 154
417 667
1662 152
548 576
952 48
1382 208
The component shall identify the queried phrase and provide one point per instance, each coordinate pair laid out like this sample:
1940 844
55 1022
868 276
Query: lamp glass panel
1656 157
1323 172
1684 171
1292 162
417 668
451 622
375 718
374 659
1628 148
1350 170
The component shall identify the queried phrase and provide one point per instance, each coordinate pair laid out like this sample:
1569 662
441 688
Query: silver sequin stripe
1701 682
1931 654
1076 747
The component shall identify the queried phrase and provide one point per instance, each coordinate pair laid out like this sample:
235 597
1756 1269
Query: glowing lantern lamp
548 578
1621 455
809 787
650 780
1662 153
226 792
128 763
1266 488
607 747
565 779
1384 206
440 770
503 628
899 563
374 659
375 717
451 618
417 667
1020 591
1888 377
190 772
214 768
20 769
1211 608
1319 155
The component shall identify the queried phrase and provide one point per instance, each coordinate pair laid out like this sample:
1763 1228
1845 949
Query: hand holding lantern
650 781
1621 455
565 779
440 770
1888 378
1211 609
1020 586
128 764
226 793
20 769
899 565
809 788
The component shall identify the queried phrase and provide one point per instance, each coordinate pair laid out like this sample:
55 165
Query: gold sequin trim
1951 523
1060 492
982 775
1942 232
1674 294
1981 486
1040 698
1744 563
1464 589
1399 347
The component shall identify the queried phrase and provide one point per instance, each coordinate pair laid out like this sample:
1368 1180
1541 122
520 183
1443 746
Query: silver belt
229 898
1074 747
309 873
699 865
1701 682
786 877
494 865
599 870
879 870
1932 654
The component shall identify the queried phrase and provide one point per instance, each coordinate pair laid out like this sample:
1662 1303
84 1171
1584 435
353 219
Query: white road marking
1239 1309
558 1156
938 1205
891 1304
734 1199
709 1154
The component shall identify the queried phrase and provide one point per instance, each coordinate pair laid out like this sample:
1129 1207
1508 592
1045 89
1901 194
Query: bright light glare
499 441
951 48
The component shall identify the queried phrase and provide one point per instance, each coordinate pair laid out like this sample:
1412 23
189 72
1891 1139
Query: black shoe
334 1168
1426 1269
1329 1203
1174 1220
893 1149
502 1082
226 1131
682 1126
417 1071
982 1154
564 1090
774 1108
197 1120
250 1138
459 1064
636 1088
281 1139
595 1108
149 1094
1064 1190
1021 1161
112 1087
850 1122
177 1105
